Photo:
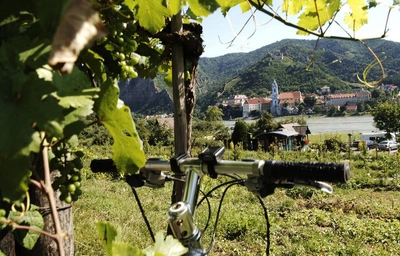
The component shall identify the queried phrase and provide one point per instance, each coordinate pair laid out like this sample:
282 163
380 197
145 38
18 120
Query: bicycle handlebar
277 170
261 174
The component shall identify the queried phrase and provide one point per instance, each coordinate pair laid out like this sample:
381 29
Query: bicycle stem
181 216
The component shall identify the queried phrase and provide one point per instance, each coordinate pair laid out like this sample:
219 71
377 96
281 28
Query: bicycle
262 179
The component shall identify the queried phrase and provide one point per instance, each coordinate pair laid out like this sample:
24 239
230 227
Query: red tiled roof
342 95
256 101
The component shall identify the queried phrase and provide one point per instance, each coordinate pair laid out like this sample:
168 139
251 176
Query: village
288 103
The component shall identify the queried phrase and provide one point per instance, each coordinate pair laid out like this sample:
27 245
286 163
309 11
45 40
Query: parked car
387 145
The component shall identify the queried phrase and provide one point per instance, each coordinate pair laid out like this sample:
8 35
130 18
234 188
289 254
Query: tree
265 124
361 106
240 133
387 117
213 113
159 134
209 132
310 101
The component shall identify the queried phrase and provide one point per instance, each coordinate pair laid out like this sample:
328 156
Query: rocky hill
144 97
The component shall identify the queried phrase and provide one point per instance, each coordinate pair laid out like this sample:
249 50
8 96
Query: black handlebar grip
315 171
103 165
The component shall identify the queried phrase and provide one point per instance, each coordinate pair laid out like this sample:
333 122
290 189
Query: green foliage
240 133
160 134
29 219
265 124
335 144
127 148
209 133
387 117
112 243
213 113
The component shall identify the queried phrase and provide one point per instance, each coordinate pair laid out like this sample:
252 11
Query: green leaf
25 103
174 6
292 7
94 63
312 18
75 90
109 235
128 154
14 178
167 247
358 16
245 6
125 249
225 5
151 14
33 219
25 108
203 7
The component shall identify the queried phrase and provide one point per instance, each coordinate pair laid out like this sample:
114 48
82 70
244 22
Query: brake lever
317 184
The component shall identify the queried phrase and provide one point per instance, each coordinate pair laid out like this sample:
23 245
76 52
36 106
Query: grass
359 218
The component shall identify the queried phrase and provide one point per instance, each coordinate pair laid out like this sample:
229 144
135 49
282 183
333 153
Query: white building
342 99
259 104
236 100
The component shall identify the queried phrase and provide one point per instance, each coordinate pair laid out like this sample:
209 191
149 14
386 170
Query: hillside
336 64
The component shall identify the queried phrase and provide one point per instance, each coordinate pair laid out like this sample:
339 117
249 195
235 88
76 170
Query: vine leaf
111 240
316 14
31 218
80 26
108 234
202 8
74 90
225 5
126 249
291 7
358 15
168 246
76 96
152 13
24 104
14 177
128 154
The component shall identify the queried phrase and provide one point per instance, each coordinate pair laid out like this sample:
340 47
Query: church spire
275 100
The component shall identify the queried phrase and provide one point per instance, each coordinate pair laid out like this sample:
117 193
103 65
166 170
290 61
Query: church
284 103
278 104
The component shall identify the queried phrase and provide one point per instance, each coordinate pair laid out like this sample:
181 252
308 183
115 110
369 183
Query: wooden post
178 88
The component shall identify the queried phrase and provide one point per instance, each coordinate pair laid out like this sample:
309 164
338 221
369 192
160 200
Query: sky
218 31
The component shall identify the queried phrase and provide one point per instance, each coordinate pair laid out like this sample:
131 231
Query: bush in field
335 144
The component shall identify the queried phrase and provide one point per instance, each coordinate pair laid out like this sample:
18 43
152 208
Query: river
321 124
